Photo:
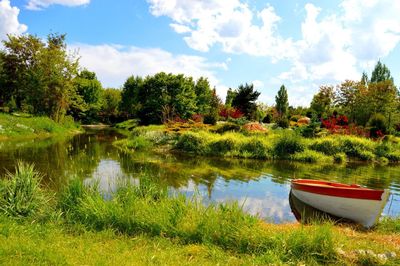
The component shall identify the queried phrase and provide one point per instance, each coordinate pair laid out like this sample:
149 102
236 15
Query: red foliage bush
198 118
340 125
230 112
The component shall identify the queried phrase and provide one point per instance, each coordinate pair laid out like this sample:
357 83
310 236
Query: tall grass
149 210
21 195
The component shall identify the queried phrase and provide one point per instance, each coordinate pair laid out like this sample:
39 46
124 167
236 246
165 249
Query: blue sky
302 44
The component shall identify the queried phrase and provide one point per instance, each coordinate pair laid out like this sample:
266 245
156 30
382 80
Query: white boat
353 202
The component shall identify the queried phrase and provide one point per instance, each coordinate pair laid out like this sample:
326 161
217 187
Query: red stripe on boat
336 189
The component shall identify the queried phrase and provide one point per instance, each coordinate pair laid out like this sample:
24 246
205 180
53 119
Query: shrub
128 124
356 147
326 146
192 142
283 123
393 157
227 127
310 156
287 145
267 119
256 148
339 158
377 122
211 118
222 146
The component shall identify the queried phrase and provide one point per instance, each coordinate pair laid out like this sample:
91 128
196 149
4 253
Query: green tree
130 96
88 96
322 102
380 73
204 95
39 74
245 100
281 100
111 101
230 95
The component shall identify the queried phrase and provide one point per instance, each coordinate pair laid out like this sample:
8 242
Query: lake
261 187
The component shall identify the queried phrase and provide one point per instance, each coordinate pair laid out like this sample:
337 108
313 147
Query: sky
301 44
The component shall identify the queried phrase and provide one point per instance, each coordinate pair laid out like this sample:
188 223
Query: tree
39 74
230 95
149 98
130 96
322 102
204 95
111 101
245 100
88 96
380 73
282 103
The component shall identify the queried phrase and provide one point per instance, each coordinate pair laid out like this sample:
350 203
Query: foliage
378 125
39 75
88 97
381 73
283 122
20 195
281 100
288 145
230 95
322 102
245 100
226 127
162 97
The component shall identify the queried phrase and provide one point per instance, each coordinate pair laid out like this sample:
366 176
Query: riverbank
25 127
140 222
232 141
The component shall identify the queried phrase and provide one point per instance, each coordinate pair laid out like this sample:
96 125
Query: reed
21 195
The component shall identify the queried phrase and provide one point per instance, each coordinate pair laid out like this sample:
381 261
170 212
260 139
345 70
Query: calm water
261 187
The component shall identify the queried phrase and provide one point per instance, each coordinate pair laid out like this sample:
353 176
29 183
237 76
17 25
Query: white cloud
9 23
40 4
333 46
228 23
113 64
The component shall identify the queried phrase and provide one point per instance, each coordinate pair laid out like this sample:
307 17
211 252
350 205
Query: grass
273 145
17 127
145 224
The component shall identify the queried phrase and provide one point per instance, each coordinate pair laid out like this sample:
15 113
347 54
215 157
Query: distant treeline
42 78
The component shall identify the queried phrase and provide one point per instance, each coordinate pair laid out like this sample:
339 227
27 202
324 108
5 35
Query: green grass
21 195
145 224
13 127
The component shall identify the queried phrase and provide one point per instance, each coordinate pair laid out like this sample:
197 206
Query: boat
352 202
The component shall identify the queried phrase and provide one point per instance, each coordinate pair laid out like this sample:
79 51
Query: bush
357 147
267 119
128 124
283 123
192 142
309 156
287 145
227 127
211 119
378 125
222 146
256 148
339 158
326 146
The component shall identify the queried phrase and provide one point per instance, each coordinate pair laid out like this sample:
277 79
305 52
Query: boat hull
363 211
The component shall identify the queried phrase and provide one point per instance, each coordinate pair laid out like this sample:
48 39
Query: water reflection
261 187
